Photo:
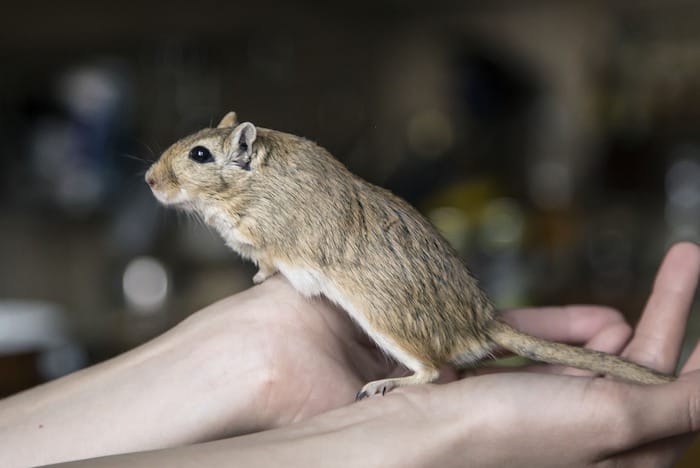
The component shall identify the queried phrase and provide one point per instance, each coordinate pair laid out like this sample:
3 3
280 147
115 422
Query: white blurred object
72 150
89 91
62 360
39 327
145 285
30 326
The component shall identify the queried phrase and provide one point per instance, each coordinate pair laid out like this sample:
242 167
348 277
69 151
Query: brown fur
299 206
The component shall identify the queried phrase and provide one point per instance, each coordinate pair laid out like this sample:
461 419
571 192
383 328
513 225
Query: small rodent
289 206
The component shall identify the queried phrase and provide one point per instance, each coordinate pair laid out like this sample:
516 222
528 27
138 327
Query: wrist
236 345
222 357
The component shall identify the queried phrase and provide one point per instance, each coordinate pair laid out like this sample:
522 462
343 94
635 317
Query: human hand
656 342
557 420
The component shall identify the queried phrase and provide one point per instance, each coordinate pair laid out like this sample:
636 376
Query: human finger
575 324
597 327
611 339
659 334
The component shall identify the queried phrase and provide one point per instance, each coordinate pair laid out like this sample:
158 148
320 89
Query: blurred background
555 144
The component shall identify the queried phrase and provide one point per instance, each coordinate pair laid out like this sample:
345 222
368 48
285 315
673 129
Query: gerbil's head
208 166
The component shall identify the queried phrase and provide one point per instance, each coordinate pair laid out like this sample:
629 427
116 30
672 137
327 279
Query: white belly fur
311 282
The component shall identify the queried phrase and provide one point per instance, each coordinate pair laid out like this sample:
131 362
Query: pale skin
267 358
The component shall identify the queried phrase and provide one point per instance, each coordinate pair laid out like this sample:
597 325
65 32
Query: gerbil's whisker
153 155
134 158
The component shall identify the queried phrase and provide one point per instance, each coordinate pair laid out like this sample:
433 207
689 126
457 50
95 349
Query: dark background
555 143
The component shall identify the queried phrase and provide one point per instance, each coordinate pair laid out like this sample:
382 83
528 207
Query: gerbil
286 204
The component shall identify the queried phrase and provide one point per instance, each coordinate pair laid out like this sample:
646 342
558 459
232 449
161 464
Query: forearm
186 386
383 433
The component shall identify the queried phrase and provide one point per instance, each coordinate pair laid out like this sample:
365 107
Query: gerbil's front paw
263 274
375 388
260 277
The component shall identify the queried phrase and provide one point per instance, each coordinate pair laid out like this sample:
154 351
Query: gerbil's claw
377 387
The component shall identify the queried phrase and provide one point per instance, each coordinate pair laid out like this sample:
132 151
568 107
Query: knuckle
626 328
618 419
622 423
616 314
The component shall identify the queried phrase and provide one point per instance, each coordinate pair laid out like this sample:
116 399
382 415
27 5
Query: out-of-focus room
555 144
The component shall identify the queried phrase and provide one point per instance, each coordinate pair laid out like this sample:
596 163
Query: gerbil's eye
201 155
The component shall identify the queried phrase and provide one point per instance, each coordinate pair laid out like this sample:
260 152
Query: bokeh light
145 284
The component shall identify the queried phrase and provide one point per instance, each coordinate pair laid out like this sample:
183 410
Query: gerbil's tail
538 349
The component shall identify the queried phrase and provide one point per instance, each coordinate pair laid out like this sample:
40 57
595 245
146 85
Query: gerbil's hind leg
265 270
376 387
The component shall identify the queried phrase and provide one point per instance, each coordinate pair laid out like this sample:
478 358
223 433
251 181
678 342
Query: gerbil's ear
241 143
229 120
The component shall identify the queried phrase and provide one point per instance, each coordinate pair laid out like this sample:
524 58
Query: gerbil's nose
150 180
